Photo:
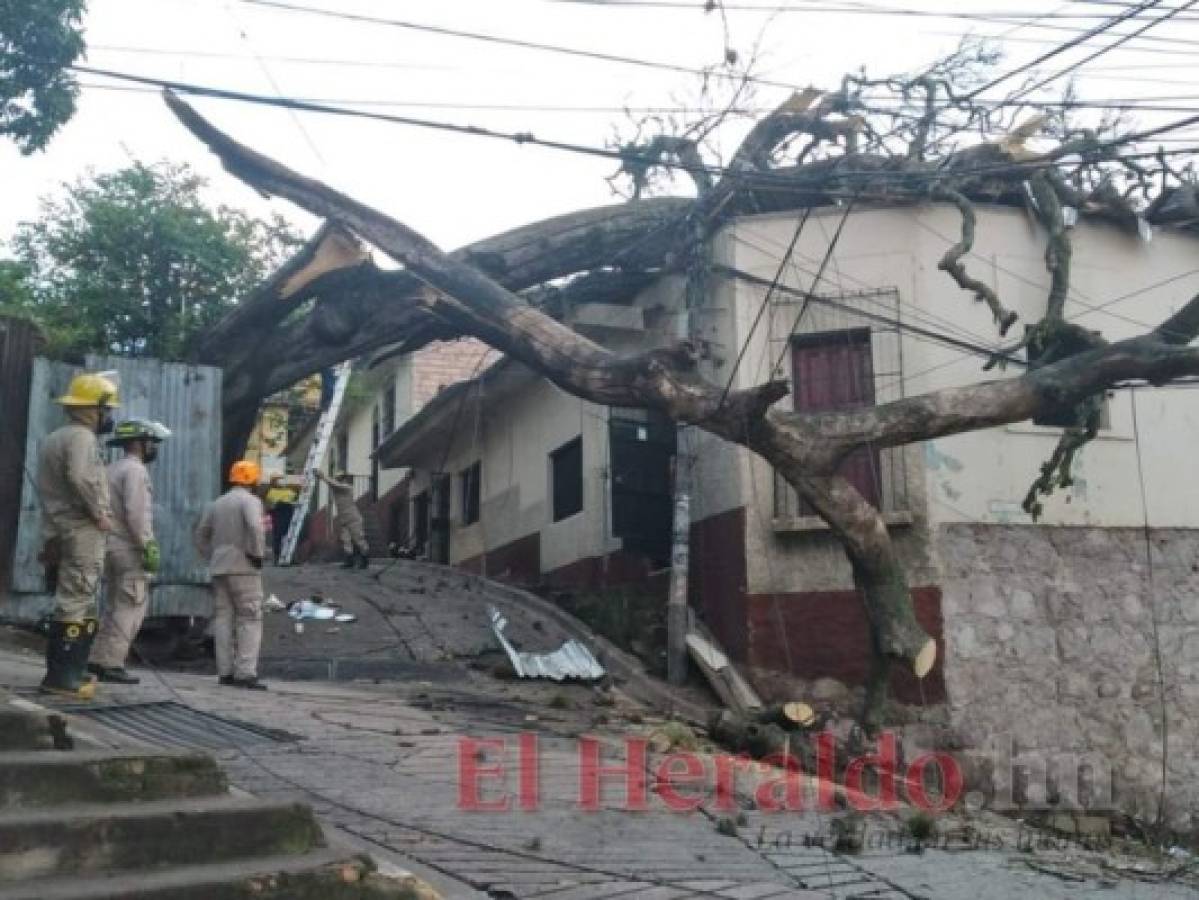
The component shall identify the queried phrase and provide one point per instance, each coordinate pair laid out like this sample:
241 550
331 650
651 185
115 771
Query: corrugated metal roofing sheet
571 660
171 724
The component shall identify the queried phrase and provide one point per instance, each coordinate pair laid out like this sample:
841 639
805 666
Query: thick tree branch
1182 327
987 404
665 379
951 262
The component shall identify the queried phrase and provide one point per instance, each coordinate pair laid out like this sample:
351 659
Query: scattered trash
323 610
571 660
273 604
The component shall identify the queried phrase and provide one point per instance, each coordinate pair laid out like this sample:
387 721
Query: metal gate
187 399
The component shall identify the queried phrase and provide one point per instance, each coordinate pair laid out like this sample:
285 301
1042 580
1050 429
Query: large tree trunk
805 448
361 308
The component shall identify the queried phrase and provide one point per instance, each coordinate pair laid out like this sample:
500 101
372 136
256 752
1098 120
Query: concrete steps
78 838
32 779
21 730
320 875
98 823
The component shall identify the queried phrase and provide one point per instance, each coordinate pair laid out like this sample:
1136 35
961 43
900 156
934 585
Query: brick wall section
825 634
444 363
717 578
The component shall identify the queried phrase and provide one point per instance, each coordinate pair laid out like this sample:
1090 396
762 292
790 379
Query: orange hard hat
245 472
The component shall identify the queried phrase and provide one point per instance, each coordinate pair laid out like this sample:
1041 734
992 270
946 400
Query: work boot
114 674
227 681
348 562
66 659
364 561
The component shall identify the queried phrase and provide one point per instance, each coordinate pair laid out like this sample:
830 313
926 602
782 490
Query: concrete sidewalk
381 761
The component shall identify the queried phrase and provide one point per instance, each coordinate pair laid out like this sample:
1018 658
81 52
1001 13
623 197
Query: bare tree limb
951 262
1058 249
825 438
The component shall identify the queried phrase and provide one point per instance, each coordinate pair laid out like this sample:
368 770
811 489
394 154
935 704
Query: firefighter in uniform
230 535
133 555
76 516
350 525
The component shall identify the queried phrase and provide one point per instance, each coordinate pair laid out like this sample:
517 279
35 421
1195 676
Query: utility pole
680 561
680 547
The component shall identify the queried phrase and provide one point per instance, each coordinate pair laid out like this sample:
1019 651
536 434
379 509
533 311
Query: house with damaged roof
1050 632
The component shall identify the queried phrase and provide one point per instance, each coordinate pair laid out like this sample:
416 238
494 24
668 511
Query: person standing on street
230 535
73 488
133 555
350 525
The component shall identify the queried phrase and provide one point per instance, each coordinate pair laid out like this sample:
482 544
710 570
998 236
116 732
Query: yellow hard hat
245 472
90 389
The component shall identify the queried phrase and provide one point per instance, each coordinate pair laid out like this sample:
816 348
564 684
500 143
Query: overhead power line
523 137
1044 21
948 339
1149 104
512 42
1061 48
1104 50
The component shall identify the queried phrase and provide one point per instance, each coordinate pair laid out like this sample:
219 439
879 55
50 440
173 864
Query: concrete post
680 560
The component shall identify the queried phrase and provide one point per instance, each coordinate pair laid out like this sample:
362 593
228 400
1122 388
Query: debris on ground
320 609
762 738
672 736
571 660
732 689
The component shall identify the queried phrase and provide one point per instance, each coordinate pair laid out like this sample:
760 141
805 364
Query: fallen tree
845 155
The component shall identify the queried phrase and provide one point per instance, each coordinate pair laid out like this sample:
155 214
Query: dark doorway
439 524
833 370
420 522
642 453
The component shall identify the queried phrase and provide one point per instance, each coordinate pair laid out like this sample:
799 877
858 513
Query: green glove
151 557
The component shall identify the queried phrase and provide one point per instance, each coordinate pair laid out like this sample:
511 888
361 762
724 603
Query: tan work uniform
350 526
229 534
127 583
74 493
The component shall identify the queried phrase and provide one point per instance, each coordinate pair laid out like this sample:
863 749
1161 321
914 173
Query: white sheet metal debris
315 609
571 660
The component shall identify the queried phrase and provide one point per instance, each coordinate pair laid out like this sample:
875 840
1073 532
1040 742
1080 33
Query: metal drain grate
171 724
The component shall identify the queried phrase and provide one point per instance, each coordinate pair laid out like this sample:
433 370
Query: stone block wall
1053 636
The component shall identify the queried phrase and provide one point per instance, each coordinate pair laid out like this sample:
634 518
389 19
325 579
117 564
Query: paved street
381 762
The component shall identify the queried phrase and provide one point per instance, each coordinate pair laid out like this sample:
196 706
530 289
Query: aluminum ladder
316 455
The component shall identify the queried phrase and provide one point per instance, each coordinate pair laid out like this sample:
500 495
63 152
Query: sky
455 188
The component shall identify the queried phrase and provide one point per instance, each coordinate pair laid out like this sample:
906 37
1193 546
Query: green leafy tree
134 262
39 40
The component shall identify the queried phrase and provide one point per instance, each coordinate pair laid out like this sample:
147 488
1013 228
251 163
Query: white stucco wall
513 437
980 477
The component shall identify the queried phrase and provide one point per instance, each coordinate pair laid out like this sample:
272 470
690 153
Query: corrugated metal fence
186 475
20 341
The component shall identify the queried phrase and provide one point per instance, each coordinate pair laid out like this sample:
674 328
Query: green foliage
134 263
39 39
